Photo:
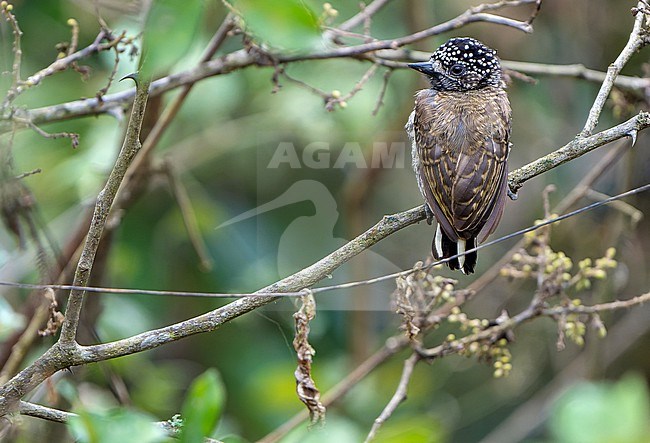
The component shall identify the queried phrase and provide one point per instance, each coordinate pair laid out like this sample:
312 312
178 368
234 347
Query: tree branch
636 41
531 312
397 398
243 58
62 64
102 207
576 148
367 12
57 358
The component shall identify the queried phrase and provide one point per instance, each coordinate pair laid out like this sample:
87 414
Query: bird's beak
424 68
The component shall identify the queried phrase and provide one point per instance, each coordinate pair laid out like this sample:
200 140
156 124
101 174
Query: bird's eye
457 69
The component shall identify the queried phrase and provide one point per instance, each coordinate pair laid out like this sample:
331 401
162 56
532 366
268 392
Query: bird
460 135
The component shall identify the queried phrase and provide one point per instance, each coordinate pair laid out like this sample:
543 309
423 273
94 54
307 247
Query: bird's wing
463 165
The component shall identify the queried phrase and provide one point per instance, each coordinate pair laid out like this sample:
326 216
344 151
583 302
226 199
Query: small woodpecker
460 135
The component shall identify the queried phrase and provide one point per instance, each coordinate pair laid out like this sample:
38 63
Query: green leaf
288 24
115 426
202 406
169 31
603 412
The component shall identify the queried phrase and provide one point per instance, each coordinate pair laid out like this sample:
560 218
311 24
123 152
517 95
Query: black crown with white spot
464 64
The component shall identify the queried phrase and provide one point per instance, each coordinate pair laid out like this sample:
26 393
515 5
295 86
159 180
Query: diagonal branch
102 208
576 148
636 41
397 398
57 357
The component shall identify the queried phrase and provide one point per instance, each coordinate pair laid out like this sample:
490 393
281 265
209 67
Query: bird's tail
444 247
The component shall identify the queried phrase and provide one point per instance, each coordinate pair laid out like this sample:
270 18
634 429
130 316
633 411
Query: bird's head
461 64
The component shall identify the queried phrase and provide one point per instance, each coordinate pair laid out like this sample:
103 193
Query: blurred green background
221 145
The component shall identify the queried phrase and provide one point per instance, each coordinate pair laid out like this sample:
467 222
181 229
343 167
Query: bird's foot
512 194
429 213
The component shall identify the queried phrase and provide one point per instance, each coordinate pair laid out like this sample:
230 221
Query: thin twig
63 63
358 86
635 214
398 397
636 41
602 307
18 53
392 346
189 216
74 40
368 11
172 109
27 174
533 16
382 92
74 138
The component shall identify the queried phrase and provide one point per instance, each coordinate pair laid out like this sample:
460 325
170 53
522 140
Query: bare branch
74 138
102 207
577 148
602 307
398 397
244 58
188 215
636 41
50 414
63 63
576 71
367 12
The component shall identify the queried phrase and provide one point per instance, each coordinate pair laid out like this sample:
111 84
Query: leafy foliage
202 407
